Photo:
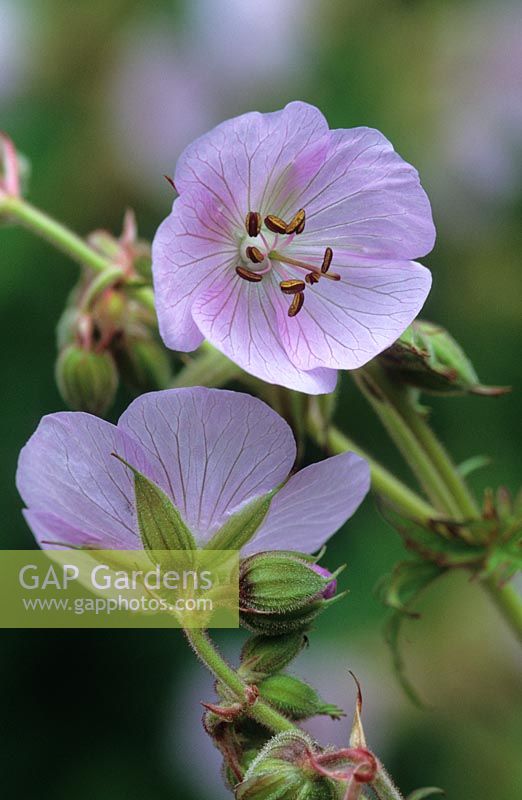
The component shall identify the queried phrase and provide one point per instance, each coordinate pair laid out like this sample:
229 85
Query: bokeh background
102 95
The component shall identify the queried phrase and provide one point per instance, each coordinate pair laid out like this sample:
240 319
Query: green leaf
399 591
241 526
428 791
160 524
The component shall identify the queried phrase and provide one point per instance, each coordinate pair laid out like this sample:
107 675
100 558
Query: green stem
260 711
383 482
54 232
387 401
441 460
508 602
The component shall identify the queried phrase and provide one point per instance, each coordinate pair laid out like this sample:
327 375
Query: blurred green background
102 96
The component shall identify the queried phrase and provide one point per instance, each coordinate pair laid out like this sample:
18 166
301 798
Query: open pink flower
211 451
289 247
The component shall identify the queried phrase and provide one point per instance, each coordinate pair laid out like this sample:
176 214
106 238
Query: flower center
267 241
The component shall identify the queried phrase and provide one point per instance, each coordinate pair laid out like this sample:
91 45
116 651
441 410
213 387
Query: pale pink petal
52 533
362 196
212 450
313 505
66 470
244 160
192 243
241 320
347 323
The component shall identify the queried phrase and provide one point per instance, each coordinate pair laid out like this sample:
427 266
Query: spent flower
290 247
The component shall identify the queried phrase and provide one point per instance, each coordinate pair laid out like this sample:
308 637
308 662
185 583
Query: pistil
311 270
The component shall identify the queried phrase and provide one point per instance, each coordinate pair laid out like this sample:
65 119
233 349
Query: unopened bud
143 363
282 771
87 380
428 357
296 698
281 592
264 655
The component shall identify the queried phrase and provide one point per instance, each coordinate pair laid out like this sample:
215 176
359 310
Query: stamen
275 224
295 262
247 275
292 286
253 223
327 260
255 255
297 223
311 278
296 304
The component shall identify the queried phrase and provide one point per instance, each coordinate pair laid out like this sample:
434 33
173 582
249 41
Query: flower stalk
216 664
44 226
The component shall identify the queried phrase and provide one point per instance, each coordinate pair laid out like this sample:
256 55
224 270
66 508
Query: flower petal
52 533
66 473
363 196
344 324
313 505
192 242
241 320
212 449
242 160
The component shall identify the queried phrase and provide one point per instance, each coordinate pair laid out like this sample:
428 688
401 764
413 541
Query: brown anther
253 223
327 260
255 255
292 286
311 278
275 224
297 223
296 304
247 275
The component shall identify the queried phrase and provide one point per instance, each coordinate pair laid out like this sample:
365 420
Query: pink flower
289 247
211 451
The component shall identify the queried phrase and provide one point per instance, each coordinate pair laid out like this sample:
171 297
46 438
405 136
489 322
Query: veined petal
212 450
241 320
347 323
363 196
52 533
244 160
192 242
313 504
66 472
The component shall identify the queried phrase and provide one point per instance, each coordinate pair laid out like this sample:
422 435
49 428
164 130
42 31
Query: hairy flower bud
281 591
264 655
296 698
86 380
428 357
143 363
282 771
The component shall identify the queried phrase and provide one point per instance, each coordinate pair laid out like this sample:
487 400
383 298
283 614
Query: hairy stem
384 787
54 232
509 602
211 658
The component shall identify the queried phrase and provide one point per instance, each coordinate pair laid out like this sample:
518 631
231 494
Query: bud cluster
106 333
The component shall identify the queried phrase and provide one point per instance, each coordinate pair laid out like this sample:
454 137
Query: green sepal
240 527
265 655
295 698
428 357
160 524
278 582
399 591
